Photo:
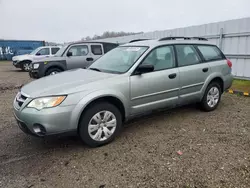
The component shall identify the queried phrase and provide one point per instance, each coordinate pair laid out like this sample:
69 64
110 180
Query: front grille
20 99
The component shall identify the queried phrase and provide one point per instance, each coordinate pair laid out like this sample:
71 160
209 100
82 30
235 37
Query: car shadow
15 70
159 114
75 142
63 149
29 145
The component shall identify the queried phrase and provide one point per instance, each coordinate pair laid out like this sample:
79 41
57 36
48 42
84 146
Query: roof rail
137 40
184 38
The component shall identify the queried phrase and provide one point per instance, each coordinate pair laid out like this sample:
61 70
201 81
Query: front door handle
89 59
205 69
172 76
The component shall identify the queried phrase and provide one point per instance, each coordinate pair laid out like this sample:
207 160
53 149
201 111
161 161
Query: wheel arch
116 101
54 67
219 80
25 61
212 78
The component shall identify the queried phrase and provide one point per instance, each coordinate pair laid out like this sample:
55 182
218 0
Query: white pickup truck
23 61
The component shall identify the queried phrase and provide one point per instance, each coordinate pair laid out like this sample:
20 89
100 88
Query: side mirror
69 54
144 69
38 54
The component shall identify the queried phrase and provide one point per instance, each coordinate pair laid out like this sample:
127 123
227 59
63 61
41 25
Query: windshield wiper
95 69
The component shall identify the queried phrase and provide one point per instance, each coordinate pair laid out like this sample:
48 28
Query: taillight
229 63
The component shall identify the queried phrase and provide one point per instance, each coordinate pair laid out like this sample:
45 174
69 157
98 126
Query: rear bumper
228 80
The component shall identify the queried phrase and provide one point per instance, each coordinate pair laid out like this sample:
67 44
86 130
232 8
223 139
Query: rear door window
187 55
96 49
210 52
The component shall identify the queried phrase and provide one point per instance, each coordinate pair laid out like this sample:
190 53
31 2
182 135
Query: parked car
24 61
70 56
129 80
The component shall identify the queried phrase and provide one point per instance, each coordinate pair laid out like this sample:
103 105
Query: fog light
39 129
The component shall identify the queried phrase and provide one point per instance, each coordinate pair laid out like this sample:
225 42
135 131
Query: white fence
233 38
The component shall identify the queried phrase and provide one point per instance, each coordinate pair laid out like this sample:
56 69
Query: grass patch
241 85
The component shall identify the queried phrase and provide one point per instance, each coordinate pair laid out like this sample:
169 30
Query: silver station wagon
129 80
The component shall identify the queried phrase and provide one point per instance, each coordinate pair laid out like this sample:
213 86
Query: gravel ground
215 149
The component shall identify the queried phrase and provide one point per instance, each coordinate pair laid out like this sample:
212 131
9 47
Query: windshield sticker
134 49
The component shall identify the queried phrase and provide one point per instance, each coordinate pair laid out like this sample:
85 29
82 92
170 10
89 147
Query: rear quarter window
210 53
96 49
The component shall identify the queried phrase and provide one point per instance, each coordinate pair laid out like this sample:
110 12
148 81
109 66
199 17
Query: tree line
110 34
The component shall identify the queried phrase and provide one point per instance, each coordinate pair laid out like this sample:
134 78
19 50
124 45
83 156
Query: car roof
50 46
91 42
159 42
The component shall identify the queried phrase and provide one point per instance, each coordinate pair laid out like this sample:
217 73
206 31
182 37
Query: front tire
100 124
212 97
53 71
25 66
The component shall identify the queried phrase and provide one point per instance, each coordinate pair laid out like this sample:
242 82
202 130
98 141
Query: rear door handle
172 76
205 69
89 59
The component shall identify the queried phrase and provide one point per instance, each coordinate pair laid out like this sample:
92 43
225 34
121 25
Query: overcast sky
70 20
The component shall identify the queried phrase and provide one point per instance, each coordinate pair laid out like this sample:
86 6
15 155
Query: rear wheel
53 71
25 66
212 96
100 124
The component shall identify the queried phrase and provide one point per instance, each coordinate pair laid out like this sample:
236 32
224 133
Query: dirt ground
215 149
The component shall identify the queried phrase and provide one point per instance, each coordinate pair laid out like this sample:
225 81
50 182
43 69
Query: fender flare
86 100
209 79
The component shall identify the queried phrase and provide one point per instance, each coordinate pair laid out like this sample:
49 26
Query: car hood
22 57
65 83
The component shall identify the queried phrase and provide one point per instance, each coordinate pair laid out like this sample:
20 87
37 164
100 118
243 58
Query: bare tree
109 34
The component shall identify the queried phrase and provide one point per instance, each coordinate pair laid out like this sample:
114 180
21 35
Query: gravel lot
215 147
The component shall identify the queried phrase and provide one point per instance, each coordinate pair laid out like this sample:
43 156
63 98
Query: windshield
35 51
61 51
118 60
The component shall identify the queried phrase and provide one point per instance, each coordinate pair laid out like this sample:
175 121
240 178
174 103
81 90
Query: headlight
36 66
46 102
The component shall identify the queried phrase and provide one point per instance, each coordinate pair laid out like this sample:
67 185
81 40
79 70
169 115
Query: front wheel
212 96
100 124
53 71
25 66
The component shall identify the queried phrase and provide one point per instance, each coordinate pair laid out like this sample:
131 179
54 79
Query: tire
52 71
86 134
25 66
214 90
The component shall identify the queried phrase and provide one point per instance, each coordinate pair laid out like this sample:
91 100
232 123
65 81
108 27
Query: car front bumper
45 122
34 74
16 64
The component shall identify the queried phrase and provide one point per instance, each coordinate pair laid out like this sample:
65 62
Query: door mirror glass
38 54
69 54
144 68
